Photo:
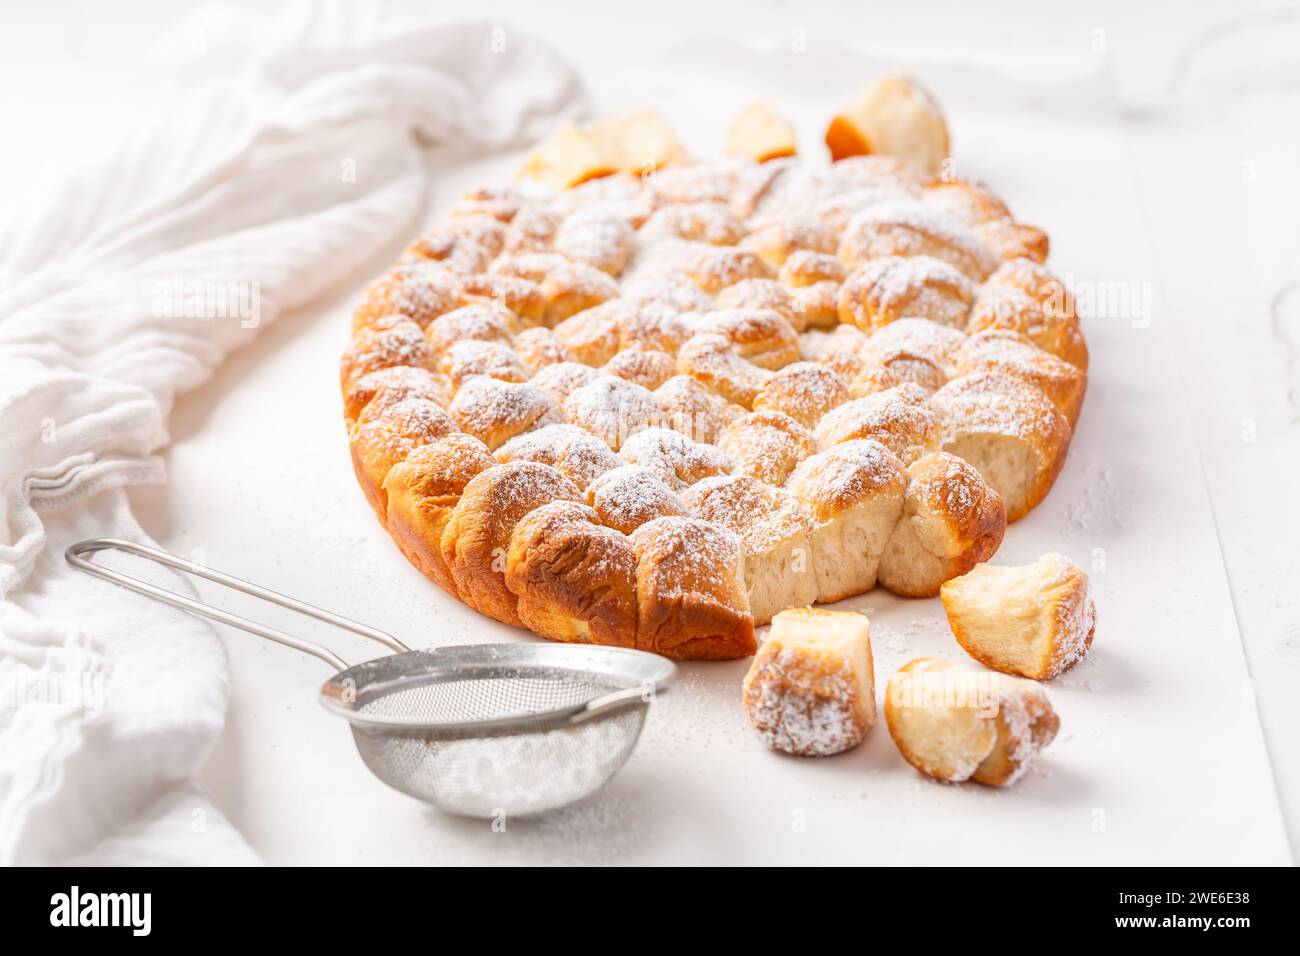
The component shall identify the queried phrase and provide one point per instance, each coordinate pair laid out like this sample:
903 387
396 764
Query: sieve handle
615 701
77 556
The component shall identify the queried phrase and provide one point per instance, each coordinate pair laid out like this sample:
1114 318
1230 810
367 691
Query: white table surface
1202 88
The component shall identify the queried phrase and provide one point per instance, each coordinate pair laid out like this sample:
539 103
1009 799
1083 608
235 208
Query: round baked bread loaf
654 411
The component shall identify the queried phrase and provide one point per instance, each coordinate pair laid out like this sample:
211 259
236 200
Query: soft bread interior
847 549
1009 465
1001 612
779 575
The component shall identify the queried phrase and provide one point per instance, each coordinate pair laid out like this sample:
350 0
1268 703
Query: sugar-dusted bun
817 306
712 360
539 347
889 369
766 445
470 358
803 268
951 521
597 237
391 385
421 291
612 409
494 411
691 600
575 579
971 202
715 267
811 689
629 496
674 457
577 454
774 531
575 287
760 336
386 434
591 336
648 368
1035 621
1008 239
804 390
522 297
760 133
777 239
1007 351
840 349
1025 297
895 116
475 540
692 409
563 379
900 418
533 228
913 229
395 342
854 492
884 290
1007 429
488 322
421 493
955 724
936 342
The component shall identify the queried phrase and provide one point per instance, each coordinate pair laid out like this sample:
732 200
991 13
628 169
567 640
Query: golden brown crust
386 434
1005 350
476 538
889 288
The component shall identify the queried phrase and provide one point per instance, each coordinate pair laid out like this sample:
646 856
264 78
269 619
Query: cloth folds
128 287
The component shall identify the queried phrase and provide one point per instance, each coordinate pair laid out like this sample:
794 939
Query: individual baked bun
890 369
575 579
884 290
804 390
563 379
951 521
476 538
760 133
955 724
766 446
629 496
421 291
760 336
913 229
938 343
817 306
591 336
539 347
1036 620
774 532
469 358
811 689
971 202
533 266
392 385
533 228
1008 239
711 222
385 434
487 322
575 287
648 368
803 268
999 306
854 492
395 341
577 454
612 409
839 349
1007 429
691 408
674 457
900 418
691 599
1009 352
895 116
494 411
522 297
777 239
421 493
597 237
715 267
712 360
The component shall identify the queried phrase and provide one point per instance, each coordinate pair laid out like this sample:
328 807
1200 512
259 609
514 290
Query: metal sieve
482 730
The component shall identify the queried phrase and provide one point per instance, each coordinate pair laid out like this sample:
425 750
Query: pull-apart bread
652 401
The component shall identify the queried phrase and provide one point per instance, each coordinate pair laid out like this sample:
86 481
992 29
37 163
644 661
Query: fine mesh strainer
481 730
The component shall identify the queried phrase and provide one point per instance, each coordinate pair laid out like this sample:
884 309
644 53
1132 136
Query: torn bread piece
811 689
1035 621
638 142
760 133
954 724
895 116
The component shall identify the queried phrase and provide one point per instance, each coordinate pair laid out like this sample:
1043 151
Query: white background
1192 190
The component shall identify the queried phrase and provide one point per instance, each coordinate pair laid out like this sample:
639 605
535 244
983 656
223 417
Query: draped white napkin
127 286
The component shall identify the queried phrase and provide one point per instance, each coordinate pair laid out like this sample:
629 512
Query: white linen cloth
128 286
